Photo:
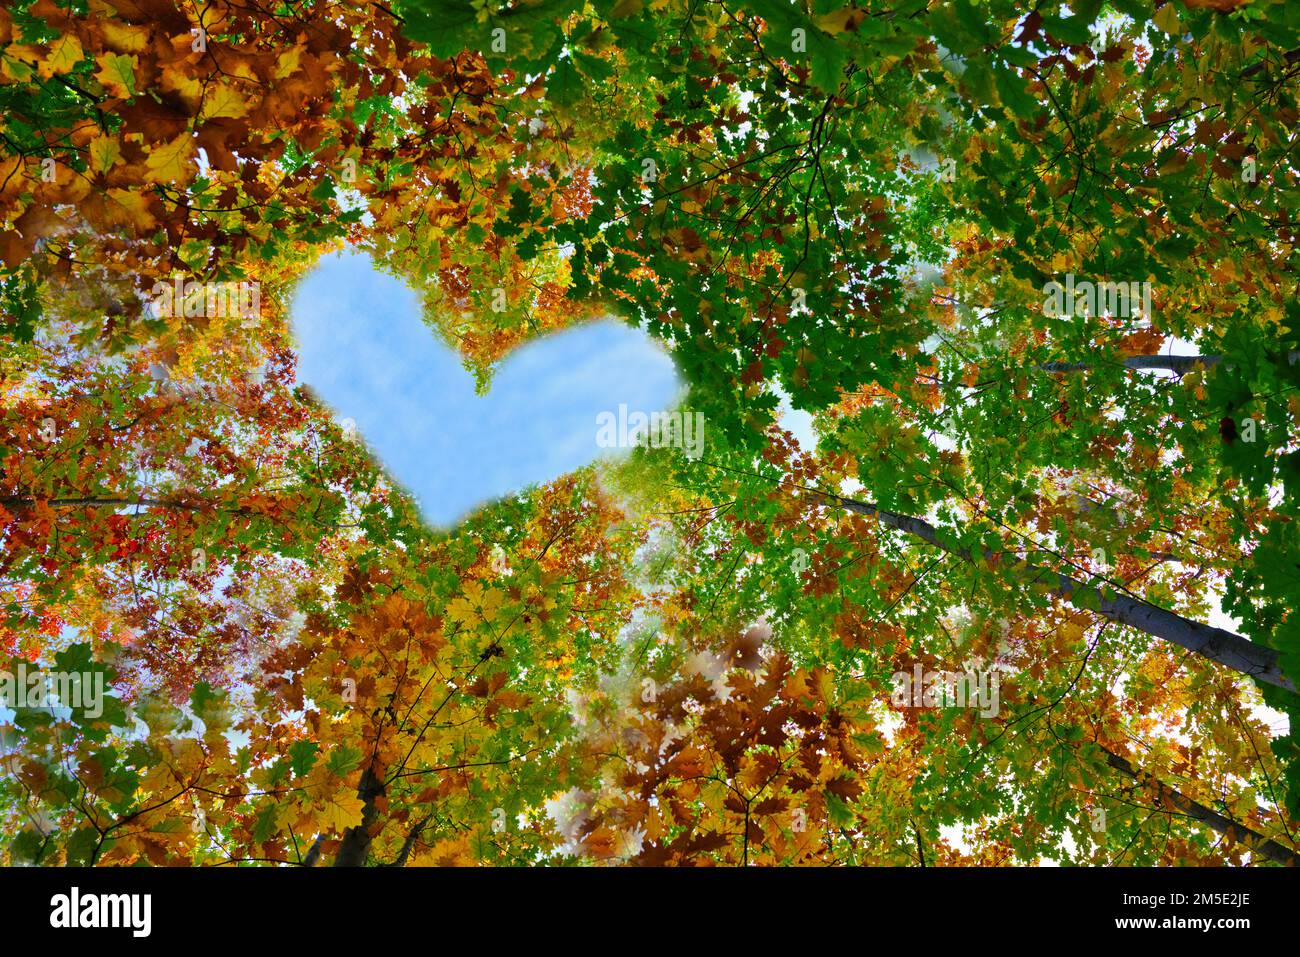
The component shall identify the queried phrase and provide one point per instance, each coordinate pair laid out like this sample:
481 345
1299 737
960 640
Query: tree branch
1167 796
1216 644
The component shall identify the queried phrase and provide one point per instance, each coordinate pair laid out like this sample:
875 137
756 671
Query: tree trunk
1217 645
354 849
313 853
1232 830
404 855
1179 364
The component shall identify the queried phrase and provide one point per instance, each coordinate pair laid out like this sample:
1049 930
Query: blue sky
367 354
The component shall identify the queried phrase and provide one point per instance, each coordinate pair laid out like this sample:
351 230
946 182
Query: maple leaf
117 73
222 99
1044 498
104 153
65 53
170 162
342 812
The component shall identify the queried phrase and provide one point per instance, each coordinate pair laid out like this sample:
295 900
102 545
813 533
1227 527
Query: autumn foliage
852 209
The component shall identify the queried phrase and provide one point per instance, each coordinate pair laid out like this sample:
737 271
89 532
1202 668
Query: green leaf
302 757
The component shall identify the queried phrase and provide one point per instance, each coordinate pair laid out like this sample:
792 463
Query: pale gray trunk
1179 364
1233 830
1217 645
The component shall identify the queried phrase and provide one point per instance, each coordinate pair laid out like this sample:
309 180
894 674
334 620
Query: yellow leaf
65 53
104 152
124 37
343 812
491 602
461 610
1072 632
840 20
287 64
188 88
170 163
15 63
117 73
223 100
451 852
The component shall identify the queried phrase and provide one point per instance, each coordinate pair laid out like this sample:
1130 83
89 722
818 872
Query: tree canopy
1032 272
